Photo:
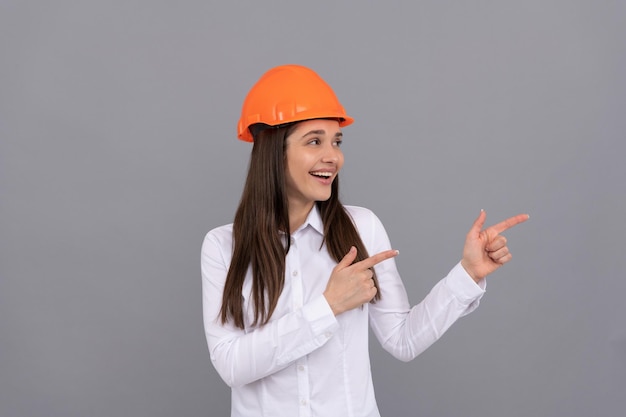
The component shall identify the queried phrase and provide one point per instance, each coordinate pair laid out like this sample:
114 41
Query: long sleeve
407 331
243 356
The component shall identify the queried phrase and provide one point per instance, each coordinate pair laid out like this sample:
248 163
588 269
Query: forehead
329 127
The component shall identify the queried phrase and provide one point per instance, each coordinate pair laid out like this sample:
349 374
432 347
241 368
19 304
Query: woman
290 289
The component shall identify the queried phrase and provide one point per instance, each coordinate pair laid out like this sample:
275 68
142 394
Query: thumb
478 223
347 260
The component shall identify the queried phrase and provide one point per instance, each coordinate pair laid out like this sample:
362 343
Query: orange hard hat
289 93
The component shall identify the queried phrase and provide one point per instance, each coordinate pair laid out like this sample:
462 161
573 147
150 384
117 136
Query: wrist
332 305
477 278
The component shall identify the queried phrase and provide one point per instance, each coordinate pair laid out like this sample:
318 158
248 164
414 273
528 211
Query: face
313 160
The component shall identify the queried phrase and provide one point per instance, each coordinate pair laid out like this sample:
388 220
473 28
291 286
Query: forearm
406 333
241 358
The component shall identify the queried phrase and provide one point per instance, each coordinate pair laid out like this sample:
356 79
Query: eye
338 142
315 141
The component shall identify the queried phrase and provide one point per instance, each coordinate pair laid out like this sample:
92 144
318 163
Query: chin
324 198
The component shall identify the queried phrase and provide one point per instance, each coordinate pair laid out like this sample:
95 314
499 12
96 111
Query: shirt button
303 402
294 273
328 335
301 368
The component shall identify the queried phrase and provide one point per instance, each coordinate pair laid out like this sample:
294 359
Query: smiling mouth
323 175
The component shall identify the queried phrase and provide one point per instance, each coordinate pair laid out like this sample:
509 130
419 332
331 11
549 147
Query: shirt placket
294 271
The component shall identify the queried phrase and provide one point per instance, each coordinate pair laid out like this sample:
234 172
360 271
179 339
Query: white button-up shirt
306 361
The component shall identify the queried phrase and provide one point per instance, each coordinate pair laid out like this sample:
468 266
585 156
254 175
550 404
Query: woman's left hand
486 250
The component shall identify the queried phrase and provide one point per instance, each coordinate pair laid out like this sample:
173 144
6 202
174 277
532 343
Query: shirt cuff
320 316
463 286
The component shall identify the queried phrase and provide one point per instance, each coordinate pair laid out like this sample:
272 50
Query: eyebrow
320 132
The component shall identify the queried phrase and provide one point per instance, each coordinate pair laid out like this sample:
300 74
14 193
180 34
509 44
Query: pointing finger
378 258
508 223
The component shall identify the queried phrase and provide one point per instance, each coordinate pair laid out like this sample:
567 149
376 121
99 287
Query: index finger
378 258
508 223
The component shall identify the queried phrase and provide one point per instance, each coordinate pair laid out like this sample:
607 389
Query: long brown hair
261 231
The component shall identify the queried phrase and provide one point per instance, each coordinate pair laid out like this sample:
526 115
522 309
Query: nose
332 154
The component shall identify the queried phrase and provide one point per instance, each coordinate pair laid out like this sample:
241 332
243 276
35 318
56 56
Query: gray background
118 153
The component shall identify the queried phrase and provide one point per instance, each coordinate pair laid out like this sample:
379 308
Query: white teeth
322 174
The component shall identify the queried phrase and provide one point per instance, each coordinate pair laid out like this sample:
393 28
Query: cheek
294 172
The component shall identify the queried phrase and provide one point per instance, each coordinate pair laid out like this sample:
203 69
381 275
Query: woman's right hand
351 285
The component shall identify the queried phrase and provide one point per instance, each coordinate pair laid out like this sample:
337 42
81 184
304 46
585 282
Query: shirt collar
314 219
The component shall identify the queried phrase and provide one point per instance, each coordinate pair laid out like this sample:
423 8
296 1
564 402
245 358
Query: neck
298 214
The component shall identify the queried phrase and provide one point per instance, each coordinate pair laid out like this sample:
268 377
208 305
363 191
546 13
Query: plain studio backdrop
118 153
